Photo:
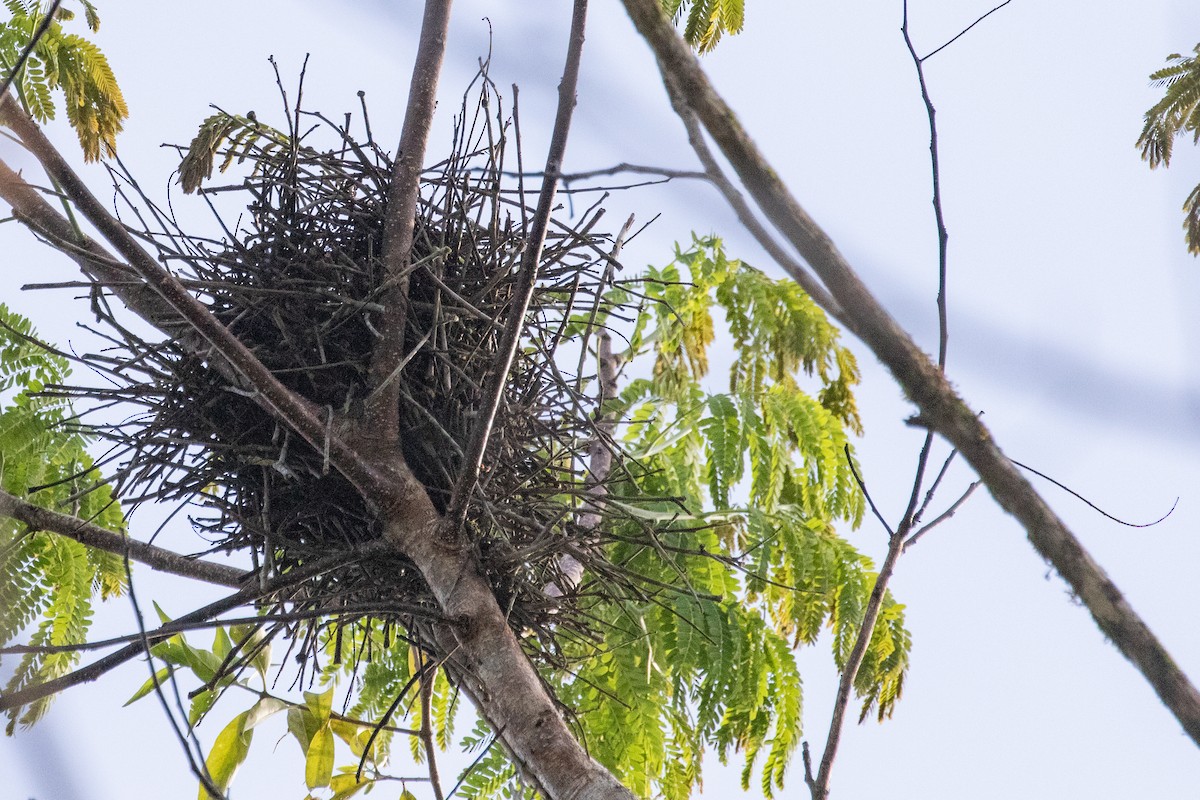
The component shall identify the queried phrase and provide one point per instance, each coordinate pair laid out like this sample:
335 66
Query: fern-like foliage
46 581
706 21
68 63
757 477
229 135
1177 114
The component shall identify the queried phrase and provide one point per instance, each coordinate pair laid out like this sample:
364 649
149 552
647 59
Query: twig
426 731
940 518
471 767
91 672
530 261
964 31
798 272
195 758
922 381
1092 505
169 303
863 488
600 456
935 165
157 558
820 786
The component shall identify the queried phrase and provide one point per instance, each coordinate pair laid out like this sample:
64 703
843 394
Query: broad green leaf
303 725
264 708
320 704
221 644
201 704
346 784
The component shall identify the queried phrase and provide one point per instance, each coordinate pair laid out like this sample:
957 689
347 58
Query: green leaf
346 784
303 725
263 709
221 644
148 686
320 704
201 704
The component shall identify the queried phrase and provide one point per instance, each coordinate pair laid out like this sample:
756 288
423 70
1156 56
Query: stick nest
298 280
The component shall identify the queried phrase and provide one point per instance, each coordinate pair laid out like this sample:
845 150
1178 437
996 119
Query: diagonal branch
249 593
940 407
530 261
157 558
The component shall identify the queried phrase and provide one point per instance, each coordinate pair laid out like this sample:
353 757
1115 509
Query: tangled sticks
297 280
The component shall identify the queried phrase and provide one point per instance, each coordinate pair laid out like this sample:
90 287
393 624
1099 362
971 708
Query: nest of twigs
298 280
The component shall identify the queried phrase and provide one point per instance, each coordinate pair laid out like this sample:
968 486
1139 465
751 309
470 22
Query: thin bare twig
935 165
530 261
716 175
248 594
940 518
964 31
1092 505
164 302
426 732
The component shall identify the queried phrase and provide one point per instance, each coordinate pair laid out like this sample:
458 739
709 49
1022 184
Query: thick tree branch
157 558
388 358
940 407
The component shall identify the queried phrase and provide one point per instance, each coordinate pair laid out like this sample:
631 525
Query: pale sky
1073 327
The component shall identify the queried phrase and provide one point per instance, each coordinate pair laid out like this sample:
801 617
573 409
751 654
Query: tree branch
249 593
382 416
737 202
940 407
157 558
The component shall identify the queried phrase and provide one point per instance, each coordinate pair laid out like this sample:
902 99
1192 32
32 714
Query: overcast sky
1073 320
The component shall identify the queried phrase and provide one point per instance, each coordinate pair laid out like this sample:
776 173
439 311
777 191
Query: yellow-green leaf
228 753
347 785
318 762
320 704
266 707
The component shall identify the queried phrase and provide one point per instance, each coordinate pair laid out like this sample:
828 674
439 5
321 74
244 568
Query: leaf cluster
46 580
68 63
1176 114
728 506
706 21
